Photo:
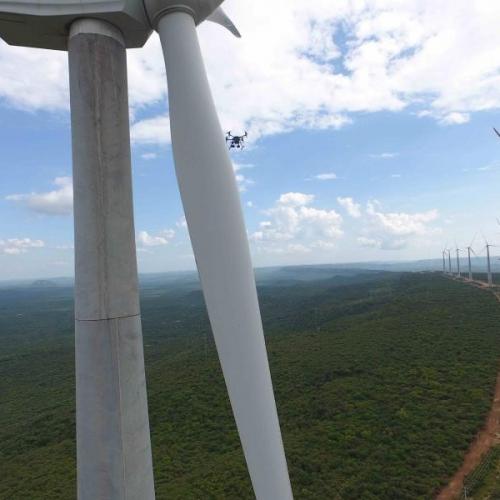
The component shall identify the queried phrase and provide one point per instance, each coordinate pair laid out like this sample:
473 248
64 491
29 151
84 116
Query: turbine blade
216 227
473 240
220 17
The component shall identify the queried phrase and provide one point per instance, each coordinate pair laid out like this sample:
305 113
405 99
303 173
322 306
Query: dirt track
485 439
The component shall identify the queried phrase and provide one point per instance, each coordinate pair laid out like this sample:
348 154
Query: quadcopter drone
236 141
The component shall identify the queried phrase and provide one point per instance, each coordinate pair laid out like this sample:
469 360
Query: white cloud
56 202
382 243
384 156
149 156
243 182
455 118
151 131
352 208
327 176
182 223
395 230
368 242
295 199
494 165
438 57
401 223
294 226
242 166
16 246
144 239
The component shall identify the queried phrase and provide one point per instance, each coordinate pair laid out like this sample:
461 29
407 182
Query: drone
236 141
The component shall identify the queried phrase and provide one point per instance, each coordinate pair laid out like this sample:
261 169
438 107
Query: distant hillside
382 380
43 284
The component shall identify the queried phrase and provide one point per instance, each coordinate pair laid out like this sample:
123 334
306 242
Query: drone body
236 141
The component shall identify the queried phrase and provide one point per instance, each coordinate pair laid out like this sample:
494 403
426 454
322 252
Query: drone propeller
496 131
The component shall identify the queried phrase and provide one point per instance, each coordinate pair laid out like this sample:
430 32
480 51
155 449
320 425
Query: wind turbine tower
113 441
458 263
469 251
449 261
444 261
490 277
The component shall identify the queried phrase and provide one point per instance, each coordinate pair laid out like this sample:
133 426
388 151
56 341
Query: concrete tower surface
113 443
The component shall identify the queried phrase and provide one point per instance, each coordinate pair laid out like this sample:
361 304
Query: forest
382 379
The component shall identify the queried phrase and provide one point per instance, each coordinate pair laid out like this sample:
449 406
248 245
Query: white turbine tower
458 262
488 263
444 261
113 444
449 261
469 251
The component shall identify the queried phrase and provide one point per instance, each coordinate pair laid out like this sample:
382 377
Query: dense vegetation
381 380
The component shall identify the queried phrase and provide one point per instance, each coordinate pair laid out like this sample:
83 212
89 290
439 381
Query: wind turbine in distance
449 261
488 263
469 251
458 261
444 261
113 443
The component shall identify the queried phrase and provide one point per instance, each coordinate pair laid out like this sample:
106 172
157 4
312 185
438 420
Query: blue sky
370 137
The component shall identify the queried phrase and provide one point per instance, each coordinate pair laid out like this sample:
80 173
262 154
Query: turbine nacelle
45 24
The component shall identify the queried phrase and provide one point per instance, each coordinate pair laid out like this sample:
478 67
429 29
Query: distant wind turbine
469 251
458 261
488 262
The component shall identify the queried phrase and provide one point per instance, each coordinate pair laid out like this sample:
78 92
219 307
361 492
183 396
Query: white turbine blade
220 17
216 227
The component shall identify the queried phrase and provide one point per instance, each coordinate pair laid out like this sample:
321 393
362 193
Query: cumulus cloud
293 226
151 131
145 239
395 230
351 207
16 246
440 58
327 176
295 199
455 118
56 202
401 223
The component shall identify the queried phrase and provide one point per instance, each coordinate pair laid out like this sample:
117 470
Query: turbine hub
199 9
